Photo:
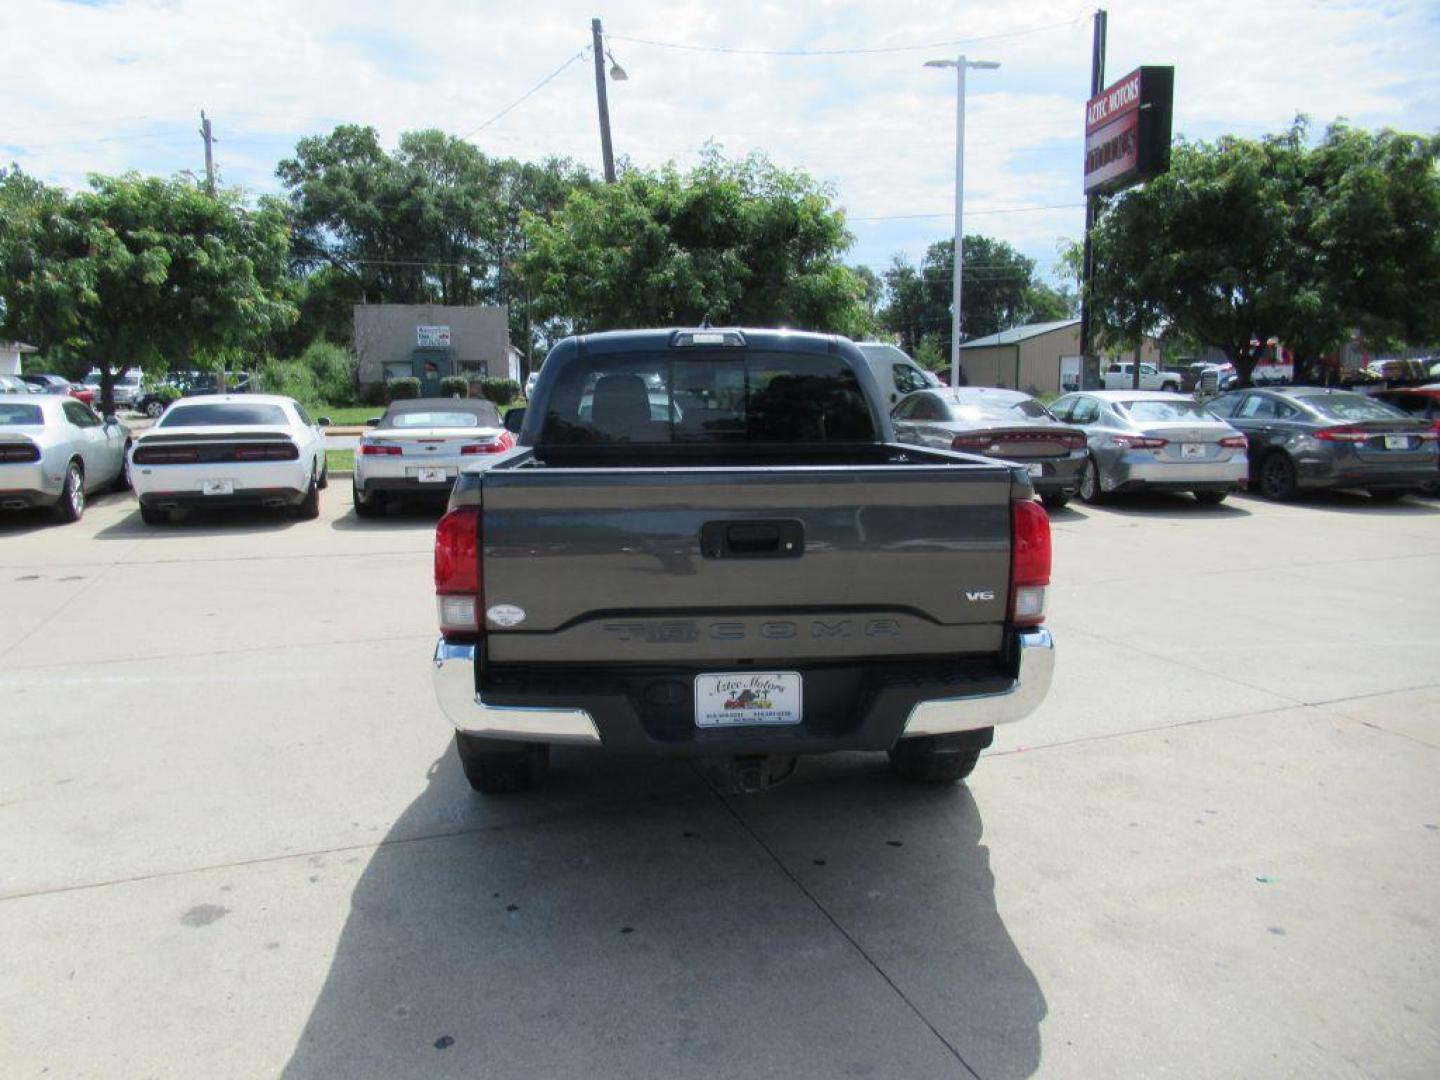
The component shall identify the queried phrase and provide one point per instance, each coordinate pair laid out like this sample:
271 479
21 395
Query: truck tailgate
701 565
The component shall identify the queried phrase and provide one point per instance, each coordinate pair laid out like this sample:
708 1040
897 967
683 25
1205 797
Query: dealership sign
432 337
1127 130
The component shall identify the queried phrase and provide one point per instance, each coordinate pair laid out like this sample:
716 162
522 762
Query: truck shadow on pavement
628 922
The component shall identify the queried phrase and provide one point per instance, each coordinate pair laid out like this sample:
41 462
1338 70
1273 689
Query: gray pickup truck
707 543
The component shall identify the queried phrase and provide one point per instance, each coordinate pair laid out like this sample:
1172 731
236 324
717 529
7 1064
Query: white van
127 385
896 373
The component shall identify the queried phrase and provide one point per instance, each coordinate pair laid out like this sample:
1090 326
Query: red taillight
371 449
457 570
1029 562
20 452
1234 442
483 448
1139 442
166 455
1343 434
970 442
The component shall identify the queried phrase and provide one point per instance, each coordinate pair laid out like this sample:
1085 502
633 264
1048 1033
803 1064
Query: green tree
1247 239
741 241
141 271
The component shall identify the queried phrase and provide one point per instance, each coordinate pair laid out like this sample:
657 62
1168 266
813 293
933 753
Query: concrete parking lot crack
840 929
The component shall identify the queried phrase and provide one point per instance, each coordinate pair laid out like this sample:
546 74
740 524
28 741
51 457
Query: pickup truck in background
1122 377
707 543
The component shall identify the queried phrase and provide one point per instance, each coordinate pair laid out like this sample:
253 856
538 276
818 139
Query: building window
397 369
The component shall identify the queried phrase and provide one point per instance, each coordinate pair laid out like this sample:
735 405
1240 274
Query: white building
10 353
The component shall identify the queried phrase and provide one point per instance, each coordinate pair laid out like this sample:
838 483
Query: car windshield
455 419
975 409
223 413
1352 407
1165 409
15 415
707 396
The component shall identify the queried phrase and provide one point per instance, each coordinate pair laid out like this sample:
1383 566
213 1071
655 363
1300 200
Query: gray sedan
1156 441
1308 437
1001 424
53 450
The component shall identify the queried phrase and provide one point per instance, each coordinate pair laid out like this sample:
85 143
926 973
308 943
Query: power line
847 51
523 97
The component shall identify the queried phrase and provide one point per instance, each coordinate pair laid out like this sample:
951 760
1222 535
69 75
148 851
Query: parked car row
1100 443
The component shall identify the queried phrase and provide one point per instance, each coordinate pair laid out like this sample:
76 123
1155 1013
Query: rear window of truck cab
706 397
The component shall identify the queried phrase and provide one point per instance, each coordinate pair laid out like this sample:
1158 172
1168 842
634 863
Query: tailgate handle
752 539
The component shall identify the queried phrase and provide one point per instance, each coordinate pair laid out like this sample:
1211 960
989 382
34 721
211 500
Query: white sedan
230 450
418 448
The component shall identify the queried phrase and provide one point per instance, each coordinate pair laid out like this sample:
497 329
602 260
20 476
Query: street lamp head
617 73
941 63
983 65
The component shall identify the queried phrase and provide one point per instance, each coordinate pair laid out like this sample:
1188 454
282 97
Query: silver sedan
1156 441
54 450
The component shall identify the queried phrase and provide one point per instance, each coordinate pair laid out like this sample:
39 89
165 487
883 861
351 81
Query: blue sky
119 85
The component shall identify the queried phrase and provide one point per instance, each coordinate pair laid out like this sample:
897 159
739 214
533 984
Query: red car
83 393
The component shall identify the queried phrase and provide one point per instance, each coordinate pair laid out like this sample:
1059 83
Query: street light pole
597 33
960 64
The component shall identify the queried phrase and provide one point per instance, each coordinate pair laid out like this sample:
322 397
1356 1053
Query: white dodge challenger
230 450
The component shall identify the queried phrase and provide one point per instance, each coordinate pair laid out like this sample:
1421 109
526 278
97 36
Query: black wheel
1277 477
921 761
153 409
72 497
1055 500
309 507
122 481
1389 495
496 768
367 506
1090 483
152 515
324 476
1210 498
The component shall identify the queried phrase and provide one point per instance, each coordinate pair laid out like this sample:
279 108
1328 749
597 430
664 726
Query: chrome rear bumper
1034 670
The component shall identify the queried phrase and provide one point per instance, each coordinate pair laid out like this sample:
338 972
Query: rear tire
493 767
71 506
324 476
152 515
309 508
367 506
1090 491
1055 501
154 409
1277 477
1210 498
929 761
122 481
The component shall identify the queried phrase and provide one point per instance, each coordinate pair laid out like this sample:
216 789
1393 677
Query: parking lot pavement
235 841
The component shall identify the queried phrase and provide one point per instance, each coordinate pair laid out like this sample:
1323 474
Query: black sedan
1000 424
1305 438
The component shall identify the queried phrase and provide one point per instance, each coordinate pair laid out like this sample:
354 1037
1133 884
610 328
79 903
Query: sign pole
1087 271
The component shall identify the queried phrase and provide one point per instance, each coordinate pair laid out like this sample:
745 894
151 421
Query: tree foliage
1249 239
742 241
140 271
434 221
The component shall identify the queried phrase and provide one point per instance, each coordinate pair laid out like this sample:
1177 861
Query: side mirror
324 421
515 420
374 421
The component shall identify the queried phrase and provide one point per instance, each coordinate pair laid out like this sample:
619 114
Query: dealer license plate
432 476
1192 449
1036 469
1397 442
747 697
217 487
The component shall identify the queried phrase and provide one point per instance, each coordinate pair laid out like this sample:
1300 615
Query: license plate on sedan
747 697
1192 449
1397 442
432 476
217 487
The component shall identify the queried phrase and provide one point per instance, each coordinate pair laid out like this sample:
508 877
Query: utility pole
209 138
1097 83
597 33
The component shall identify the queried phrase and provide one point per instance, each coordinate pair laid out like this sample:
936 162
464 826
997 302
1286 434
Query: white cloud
121 86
